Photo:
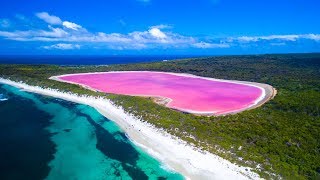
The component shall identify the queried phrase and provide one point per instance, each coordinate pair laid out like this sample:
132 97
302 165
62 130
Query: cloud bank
292 37
54 20
62 46
68 35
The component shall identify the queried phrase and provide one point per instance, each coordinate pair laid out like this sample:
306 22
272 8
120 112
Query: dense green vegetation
283 136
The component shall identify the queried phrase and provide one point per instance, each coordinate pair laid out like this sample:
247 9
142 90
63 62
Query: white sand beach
174 153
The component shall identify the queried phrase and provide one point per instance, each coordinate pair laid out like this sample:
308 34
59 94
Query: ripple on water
3 97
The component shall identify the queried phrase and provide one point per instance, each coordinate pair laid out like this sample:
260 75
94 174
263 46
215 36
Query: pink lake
188 93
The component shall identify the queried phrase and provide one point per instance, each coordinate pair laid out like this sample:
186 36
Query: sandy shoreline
173 152
268 92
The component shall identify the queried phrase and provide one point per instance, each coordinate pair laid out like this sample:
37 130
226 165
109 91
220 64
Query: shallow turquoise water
74 142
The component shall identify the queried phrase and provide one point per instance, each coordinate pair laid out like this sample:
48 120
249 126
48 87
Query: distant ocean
48 138
84 60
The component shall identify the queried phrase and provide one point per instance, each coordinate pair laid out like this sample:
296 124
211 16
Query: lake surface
48 138
187 93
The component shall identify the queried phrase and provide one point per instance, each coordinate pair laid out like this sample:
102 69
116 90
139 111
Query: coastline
175 153
268 92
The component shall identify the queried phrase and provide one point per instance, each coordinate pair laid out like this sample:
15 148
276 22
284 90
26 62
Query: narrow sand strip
173 152
268 92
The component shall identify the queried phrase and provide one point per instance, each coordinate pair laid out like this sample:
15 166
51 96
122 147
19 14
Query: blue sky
136 27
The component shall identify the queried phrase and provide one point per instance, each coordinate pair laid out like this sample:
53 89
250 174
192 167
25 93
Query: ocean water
3 97
84 60
48 138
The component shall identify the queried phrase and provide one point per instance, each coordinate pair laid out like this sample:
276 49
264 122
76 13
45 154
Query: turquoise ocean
48 138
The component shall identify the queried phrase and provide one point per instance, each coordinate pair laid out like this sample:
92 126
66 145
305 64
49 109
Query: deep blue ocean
84 60
48 138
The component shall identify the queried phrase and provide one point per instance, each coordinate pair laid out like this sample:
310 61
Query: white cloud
247 39
150 38
157 33
157 36
113 37
71 25
290 37
54 20
280 37
135 46
204 45
315 37
36 35
67 33
7 34
55 33
62 46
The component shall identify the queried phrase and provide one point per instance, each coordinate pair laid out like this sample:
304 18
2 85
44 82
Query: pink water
188 94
